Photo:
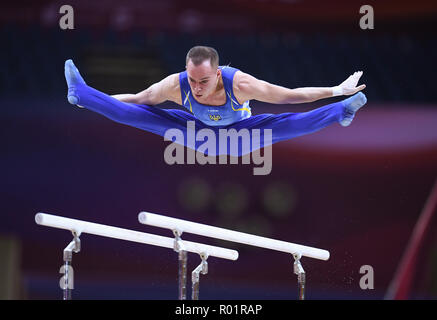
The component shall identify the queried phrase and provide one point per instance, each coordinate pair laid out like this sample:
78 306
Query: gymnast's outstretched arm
247 87
164 90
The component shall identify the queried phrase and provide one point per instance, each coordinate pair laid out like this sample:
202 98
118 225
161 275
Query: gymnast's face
203 79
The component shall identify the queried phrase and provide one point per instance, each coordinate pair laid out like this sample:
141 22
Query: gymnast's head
203 71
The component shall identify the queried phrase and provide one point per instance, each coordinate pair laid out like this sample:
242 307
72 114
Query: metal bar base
300 272
195 276
182 270
67 283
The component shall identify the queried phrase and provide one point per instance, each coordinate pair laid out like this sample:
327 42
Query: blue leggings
156 120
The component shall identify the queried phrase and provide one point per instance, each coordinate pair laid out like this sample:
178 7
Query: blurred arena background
357 192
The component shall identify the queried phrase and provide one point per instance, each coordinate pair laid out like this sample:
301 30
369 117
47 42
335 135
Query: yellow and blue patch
215 117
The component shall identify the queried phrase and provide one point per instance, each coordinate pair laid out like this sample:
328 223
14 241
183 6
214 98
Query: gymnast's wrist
337 91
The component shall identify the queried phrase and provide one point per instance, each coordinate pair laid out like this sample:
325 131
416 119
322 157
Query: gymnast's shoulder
245 85
170 88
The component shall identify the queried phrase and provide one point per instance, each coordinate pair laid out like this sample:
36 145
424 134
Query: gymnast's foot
74 79
352 105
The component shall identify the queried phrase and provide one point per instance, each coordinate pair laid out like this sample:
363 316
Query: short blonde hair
199 54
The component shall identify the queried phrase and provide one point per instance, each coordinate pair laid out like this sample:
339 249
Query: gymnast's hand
349 86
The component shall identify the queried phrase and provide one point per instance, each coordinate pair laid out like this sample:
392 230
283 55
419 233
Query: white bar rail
230 235
79 226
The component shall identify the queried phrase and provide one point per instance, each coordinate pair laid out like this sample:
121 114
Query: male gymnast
217 97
